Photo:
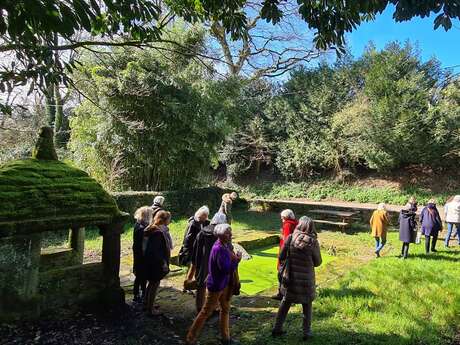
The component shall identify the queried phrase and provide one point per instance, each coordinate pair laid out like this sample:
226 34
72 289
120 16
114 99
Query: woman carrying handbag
299 257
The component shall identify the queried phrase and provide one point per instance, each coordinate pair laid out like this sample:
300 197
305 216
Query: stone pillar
19 275
77 243
113 295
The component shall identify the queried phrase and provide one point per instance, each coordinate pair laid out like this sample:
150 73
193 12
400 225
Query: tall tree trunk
50 105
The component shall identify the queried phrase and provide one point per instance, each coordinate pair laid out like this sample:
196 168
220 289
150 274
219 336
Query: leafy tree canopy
31 28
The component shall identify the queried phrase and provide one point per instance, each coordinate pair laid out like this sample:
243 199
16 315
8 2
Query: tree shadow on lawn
261 221
329 336
436 256
345 292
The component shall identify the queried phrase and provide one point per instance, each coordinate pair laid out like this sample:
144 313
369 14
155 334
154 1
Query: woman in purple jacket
222 264
431 225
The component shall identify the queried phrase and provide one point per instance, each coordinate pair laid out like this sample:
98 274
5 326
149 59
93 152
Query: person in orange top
379 223
288 225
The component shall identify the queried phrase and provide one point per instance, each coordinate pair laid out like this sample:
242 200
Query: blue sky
444 45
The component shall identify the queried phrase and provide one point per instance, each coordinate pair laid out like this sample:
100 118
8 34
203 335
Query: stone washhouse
42 195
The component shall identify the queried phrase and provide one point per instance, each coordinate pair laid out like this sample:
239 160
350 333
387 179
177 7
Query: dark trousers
433 243
152 289
139 283
200 297
283 311
405 249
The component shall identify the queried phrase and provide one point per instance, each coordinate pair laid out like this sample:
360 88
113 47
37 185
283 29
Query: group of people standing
429 220
208 252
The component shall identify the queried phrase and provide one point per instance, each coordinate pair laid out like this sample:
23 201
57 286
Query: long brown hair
161 217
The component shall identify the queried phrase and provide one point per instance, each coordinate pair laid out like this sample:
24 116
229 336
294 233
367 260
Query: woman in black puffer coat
299 257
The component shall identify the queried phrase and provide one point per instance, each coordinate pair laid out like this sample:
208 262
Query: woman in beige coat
379 223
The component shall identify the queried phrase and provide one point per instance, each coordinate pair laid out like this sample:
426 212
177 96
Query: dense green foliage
34 30
157 121
327 189
383 111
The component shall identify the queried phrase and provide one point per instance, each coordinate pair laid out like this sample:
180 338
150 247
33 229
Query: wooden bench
341 225
344 218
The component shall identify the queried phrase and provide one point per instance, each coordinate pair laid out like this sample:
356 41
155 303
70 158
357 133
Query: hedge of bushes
177 202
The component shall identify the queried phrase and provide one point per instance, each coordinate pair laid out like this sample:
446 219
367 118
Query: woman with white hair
289 223
222 264
379 223
452 214
299 256
194 226
200 256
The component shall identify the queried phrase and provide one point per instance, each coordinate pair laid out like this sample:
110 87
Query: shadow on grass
266 255
346 292
266 221
436 256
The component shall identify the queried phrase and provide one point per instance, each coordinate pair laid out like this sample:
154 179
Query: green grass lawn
361 300
383 301
260 272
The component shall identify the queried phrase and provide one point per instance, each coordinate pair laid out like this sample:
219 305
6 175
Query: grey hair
158 200
201 211
381 206
221 229
407 206
143 214
219 218
288 214
306 225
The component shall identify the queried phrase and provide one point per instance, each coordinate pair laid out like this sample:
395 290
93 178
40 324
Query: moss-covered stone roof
42 195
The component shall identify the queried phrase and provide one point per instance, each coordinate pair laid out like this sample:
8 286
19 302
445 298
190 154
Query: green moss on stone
44 148
42 195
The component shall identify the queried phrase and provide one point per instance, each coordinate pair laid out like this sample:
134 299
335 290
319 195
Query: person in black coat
156 257
194 226
407 228
143 218
200 256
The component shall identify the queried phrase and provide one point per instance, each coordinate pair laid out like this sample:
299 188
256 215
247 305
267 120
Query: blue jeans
450 228
379 243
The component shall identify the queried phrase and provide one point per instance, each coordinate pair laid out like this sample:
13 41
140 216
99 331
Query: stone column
77 243
19 275
113 295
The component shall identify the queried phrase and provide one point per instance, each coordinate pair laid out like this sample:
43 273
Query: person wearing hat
157 205
379 223
452 216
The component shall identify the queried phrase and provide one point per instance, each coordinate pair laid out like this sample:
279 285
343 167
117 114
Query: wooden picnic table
342 214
